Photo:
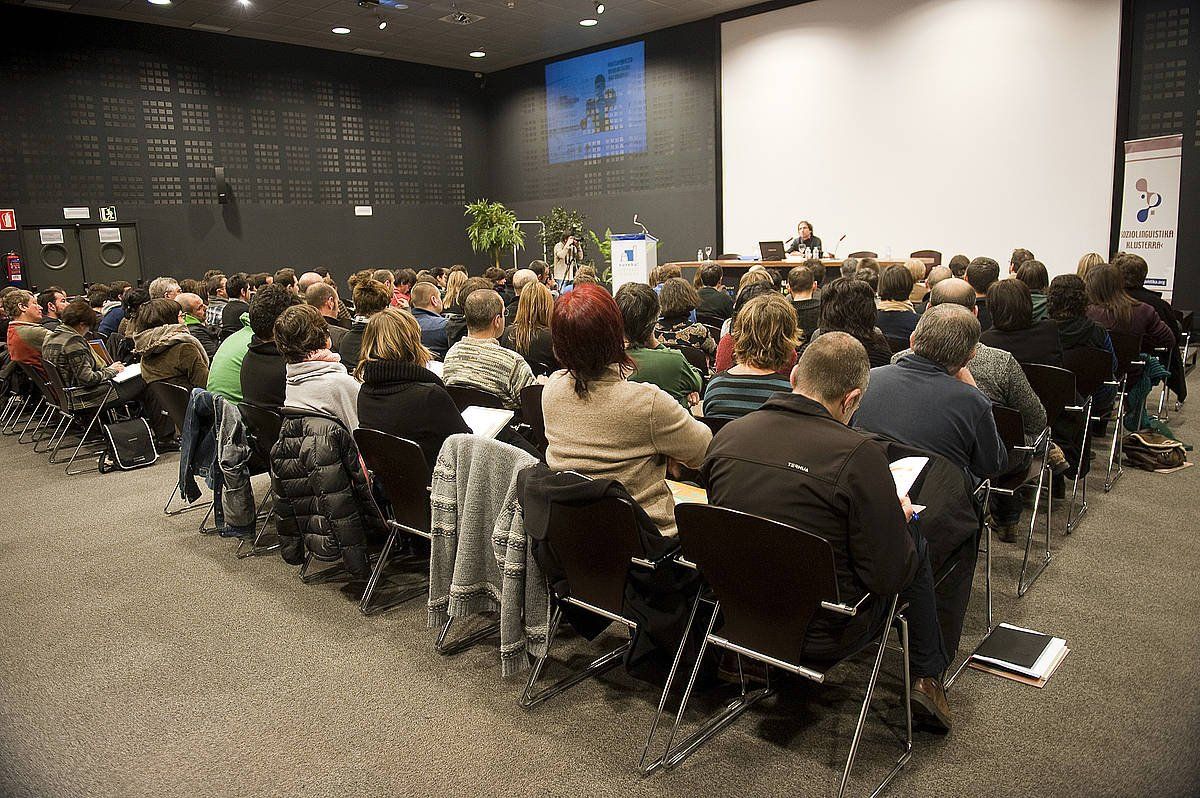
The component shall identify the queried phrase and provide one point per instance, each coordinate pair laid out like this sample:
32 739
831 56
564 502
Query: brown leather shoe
929 703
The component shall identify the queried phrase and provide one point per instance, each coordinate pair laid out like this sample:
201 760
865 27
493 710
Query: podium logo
1147 196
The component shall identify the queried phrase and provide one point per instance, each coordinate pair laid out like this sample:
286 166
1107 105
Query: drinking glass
708 253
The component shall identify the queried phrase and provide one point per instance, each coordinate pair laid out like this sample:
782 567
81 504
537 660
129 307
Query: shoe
1007 532
164 447
929 703
1057 460
231 531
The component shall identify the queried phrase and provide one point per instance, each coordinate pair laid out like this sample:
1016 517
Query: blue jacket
433 331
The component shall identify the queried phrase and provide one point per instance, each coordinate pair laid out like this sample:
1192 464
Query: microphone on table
833 252
639 224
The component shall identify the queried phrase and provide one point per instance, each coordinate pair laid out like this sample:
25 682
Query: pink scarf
323 356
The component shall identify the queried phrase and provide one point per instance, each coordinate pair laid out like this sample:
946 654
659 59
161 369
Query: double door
74 255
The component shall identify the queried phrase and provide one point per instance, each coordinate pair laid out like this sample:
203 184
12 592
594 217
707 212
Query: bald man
194 310
307 280
426 306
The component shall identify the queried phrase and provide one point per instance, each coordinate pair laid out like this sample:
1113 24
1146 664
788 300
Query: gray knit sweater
479 557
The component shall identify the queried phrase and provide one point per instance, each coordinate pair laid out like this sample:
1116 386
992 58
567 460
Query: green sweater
666 368
225 374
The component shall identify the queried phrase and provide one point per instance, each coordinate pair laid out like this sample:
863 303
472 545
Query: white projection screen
972 126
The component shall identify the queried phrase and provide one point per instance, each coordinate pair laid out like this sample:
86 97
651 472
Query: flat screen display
596 104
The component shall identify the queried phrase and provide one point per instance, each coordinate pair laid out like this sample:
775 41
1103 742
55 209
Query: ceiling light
244 3
589 22
340 31
477 53
160 2
599 7
382 23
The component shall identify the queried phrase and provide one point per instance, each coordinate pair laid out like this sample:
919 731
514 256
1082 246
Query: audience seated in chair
324 298
529 335
896 317
1133 270
240 291
848 305
753 284
399 395
802 288
654 363
603 425
426 307
52 301
194 311
715 301
370 297
1033 273
1013 329
67 348
452 301
767 336
225 373
1113 309
317 381
263 373
167 351
479 361
456 321
981 273
677 328
796 461
25 332
1066 305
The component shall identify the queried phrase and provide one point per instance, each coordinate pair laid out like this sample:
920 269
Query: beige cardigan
625 431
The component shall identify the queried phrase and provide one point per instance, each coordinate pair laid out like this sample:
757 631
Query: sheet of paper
128 373
905 472
435 366
486 421
687 494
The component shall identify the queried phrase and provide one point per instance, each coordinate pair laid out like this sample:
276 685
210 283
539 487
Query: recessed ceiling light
382 23
244 3
599 7
589 22
160 2
340 31
477 53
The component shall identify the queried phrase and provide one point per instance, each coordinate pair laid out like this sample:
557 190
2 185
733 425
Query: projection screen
972 126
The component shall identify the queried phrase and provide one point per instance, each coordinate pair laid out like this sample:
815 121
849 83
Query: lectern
634 255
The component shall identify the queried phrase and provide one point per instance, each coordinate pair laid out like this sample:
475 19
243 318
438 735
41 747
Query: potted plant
492 228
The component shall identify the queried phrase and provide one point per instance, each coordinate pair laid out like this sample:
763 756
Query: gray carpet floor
138 658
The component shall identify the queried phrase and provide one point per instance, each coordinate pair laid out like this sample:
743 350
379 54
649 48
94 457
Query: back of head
849 267
1066 298
260 279
117 289
266 306
1010 305
678 297
481 309
97 294
406 277
1106 289
800 279
1087 262
870 277
639 311
454 285
817 268
958 265
133 301
522 278
78 312
754 289
1019 256
1133 269
384 276
392 334
586 274
754 277
953 291
848 305
286 277
211 273
237 284
157 313
711 275
472 285
669 272
765 333
318 294
539 268
1033 273
831 367
161 286
535 307
896 283
191 303
299 331
588 334
981 273
423 295
191 286
214 284
494 273
370 297
937 274
916 268
947 335
307 280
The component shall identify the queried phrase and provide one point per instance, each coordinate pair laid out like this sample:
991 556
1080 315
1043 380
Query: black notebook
1020 650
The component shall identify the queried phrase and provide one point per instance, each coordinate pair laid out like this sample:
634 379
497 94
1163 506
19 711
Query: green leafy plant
492 228
561 221
603 246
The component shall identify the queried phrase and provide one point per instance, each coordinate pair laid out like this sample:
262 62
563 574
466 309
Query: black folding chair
863 253
928 253
768 581
531 412
465 397
1127 347
173 400
1012 433
1093 371
1057 390
74 412
262 431
400 468
711 322
596 543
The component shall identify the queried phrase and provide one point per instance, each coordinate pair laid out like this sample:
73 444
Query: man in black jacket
796 461
238 288
714 299
264 371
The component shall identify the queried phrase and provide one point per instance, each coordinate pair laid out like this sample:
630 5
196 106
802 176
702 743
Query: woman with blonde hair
454 284
1087 262
529 334
400 396
766 337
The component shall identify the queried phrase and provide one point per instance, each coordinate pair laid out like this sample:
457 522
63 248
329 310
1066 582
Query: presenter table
734 269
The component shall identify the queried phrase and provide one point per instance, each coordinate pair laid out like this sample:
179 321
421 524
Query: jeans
927 648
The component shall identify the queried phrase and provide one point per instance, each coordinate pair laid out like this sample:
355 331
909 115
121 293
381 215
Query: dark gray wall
99 112
672 185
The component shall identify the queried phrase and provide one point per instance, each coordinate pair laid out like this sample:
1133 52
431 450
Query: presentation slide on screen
596 104
972 126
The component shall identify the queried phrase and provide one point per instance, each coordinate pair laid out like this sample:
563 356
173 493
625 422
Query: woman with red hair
600 424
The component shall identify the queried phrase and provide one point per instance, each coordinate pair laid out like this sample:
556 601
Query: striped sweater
735 395
483 364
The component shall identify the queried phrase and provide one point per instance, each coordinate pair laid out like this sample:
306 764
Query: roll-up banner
1150 206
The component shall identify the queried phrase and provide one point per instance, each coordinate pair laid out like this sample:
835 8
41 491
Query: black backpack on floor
130 446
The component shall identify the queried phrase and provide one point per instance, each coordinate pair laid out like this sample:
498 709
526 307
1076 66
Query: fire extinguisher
13 261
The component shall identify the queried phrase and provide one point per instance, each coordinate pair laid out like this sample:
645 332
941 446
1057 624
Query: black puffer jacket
324 499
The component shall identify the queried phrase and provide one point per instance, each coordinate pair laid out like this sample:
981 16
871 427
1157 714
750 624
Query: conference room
611 398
